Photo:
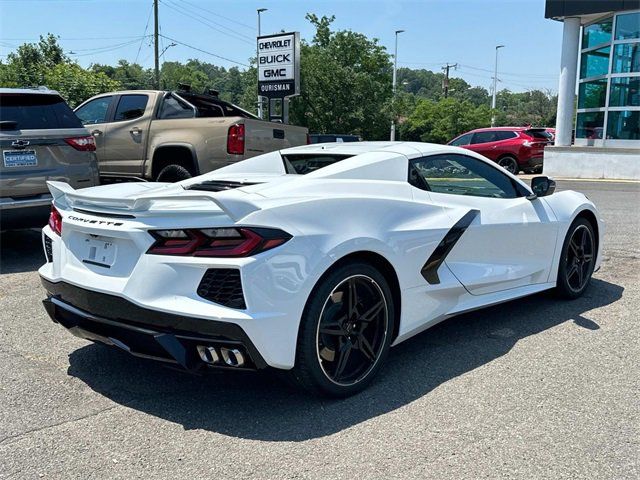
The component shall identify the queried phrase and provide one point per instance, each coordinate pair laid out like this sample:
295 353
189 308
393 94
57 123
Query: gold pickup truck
169 136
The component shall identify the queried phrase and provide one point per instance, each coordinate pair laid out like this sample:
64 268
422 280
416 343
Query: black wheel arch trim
430 269
188 146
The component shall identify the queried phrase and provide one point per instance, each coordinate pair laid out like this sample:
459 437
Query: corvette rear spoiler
232 202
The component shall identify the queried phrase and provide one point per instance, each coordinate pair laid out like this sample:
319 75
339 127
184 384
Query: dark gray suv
41 139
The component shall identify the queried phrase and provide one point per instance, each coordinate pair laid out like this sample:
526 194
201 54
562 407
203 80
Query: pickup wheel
173 173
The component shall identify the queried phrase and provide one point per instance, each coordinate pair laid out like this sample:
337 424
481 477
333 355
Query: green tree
26 67
345 83
44 63
131 76
441 121
76 84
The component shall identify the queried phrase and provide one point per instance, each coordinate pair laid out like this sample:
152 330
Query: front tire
510 164
345 332
577 260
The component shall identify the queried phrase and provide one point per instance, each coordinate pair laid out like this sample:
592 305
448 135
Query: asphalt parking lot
536 388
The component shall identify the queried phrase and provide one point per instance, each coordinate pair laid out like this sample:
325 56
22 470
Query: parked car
333 137
170 136
41 139
513 148
259 265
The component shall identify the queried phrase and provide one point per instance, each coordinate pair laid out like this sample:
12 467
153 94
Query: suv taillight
216 242
55 221
235 139
534 144
84 144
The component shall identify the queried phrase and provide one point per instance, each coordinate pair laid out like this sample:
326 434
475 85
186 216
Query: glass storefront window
628 26
626 58
590 125
594 63
624 125
625 92
592 94
597 33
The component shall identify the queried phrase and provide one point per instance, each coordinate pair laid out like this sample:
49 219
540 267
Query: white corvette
314 260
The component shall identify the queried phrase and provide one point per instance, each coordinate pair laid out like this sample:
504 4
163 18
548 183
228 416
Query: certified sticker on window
20 158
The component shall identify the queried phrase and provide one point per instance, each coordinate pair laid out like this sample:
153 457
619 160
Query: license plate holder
19 158
100 252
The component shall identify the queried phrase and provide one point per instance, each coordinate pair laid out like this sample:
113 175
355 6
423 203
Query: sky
223 32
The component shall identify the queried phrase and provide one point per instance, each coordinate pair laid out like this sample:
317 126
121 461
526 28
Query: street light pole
393 99
495 86
259 10
156 54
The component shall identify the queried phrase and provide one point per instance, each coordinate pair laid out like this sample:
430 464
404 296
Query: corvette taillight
216 242
55 221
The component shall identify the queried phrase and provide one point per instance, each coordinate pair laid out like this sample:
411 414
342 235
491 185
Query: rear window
301 164
37 111
540 134
131 107
208 106
505 135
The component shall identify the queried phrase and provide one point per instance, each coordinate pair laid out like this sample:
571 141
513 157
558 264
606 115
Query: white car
314 260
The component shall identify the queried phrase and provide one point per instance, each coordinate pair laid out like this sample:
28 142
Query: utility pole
259 10
495 86
156 45
445 83
393 98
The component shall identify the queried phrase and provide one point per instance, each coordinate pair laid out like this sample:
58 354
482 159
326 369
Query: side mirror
542 186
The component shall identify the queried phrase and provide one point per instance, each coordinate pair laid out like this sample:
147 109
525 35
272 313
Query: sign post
279 72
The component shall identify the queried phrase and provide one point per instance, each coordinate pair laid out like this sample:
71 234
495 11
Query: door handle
96 132
136 131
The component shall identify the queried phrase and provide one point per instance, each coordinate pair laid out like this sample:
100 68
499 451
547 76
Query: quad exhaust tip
232 357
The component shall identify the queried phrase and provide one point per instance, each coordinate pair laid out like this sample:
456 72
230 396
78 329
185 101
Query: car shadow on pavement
255 405
20 251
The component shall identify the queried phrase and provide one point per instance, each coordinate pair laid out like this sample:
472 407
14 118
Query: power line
528 75
144 33
221 16
200 15
104 49
204 51
75 38
206 23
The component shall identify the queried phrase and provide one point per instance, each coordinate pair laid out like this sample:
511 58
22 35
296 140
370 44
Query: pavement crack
14 438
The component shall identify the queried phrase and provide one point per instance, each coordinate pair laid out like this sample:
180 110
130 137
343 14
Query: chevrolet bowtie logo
19 143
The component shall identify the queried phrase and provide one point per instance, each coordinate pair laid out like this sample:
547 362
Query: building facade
597 135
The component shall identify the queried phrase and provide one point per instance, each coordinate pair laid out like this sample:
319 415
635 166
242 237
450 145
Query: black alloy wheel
510 164
345 331
352 328
578 259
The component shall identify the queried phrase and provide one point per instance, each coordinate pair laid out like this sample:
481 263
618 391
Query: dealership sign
279 65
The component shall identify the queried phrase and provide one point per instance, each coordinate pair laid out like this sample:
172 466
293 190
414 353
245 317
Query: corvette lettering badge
95 222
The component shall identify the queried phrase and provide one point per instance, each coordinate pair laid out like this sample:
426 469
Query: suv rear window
37 111
540 134
301 164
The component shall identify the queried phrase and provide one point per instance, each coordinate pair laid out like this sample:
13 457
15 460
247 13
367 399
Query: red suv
513 148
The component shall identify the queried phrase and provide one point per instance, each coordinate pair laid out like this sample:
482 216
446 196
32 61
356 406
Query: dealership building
597 136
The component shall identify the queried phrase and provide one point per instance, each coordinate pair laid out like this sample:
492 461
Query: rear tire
510 164
577 260
345 331
173 173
